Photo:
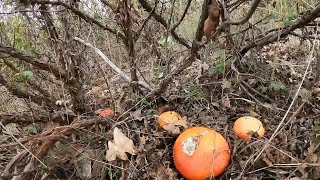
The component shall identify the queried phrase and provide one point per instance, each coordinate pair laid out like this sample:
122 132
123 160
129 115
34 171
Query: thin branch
80 14
42 91
161 20
127 28
112 65
145 22
162 87
111 6
31 60
40 100
182 17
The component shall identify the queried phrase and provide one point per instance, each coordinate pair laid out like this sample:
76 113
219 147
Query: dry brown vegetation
63 61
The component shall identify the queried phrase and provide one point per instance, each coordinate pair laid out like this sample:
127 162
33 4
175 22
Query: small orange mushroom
201 153
246 126
168 117
106 113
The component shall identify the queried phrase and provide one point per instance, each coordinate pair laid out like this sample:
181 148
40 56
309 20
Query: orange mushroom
201 153
246 126
168 117
106 113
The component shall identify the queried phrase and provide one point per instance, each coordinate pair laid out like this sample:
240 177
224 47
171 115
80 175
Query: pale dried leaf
137 115
120 145
114 151
172 128
226 84
50 126
143 140
304 93
183 122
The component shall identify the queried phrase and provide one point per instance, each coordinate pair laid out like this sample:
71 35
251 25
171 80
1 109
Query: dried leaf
174 127
226 84
137 115
143 140
295 178
83 166
314 144
304 94
120 145
225 103
251 81
51 125
253 113
182 122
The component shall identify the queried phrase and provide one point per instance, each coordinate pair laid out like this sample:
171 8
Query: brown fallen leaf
225 102
254 114
120 145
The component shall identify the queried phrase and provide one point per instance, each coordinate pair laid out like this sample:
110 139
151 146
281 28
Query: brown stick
31 60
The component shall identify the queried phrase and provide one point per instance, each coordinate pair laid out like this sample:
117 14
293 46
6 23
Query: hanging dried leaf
120 145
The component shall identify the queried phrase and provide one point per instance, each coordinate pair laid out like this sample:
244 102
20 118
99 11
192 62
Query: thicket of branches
51 52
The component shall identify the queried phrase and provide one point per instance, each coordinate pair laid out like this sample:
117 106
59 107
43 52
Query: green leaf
276 86
273 17
263 89
218 68
33 129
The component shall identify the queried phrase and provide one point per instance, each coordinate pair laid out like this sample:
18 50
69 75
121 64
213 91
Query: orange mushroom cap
168 117
106 113
245 126
200 152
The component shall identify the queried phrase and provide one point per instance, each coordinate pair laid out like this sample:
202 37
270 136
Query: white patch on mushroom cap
190 145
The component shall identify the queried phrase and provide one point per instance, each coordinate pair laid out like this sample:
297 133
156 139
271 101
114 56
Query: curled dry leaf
120 146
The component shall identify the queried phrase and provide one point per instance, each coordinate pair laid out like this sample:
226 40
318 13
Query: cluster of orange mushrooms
200 152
